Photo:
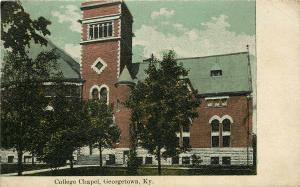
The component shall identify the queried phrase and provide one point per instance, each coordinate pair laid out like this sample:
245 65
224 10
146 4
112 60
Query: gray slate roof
66 64
235 77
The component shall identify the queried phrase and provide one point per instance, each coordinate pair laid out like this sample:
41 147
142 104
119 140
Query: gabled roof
66 64
235 73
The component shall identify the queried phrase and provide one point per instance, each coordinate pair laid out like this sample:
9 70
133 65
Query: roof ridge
72 62
228 54
183 58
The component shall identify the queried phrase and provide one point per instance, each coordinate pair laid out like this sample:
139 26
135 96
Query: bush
196 160
133 163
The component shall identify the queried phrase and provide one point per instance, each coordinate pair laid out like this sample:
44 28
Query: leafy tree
161 106
133 163
65 130
22 96
22 77
103 132
18 29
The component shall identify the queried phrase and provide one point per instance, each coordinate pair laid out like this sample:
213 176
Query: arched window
226 121
103 94
226 132
95 94
215 133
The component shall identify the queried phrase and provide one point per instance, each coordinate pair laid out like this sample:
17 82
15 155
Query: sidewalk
78 166
43 170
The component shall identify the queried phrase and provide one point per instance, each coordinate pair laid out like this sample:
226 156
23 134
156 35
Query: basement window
226 160
186 160
175 160
214 160
148 160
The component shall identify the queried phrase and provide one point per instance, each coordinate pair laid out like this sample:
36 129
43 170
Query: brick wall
114 53
200 133
105 9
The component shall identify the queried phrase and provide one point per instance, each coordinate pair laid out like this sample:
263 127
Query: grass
13 168
143 171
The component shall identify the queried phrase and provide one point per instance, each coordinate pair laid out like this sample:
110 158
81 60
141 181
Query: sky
191 28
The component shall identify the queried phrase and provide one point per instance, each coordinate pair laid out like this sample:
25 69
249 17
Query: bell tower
106 48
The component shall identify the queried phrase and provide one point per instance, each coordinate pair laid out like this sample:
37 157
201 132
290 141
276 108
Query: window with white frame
103 94
215 141
95 94
221 130
226 132
100 30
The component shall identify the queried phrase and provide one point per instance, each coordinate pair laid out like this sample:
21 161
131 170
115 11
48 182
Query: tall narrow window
96 31
91 32
105 30
215 126
226 133
110 29
103 94
186 141
215 133
95 94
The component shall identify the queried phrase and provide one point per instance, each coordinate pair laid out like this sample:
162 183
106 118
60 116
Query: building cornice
100 40
100 18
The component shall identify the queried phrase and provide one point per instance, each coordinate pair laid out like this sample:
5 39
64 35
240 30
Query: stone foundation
119 156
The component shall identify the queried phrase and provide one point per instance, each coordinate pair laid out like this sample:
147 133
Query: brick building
222 132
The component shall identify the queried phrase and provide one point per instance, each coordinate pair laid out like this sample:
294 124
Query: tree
161 106
65 130
103 132
22 96
18 29
22 77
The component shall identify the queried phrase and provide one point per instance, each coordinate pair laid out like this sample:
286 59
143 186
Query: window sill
215 106
99 40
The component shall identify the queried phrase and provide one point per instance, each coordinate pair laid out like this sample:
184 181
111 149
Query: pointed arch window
104 94
215 141
226 132
95 94
221 131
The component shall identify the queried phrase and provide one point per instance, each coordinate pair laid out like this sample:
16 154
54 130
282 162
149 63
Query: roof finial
247 46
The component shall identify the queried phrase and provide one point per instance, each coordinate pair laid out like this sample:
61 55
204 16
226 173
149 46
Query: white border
98 71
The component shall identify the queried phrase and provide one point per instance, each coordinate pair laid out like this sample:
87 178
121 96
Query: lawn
13 168
143 171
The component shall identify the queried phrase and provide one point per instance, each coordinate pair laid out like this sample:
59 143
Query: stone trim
98 71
